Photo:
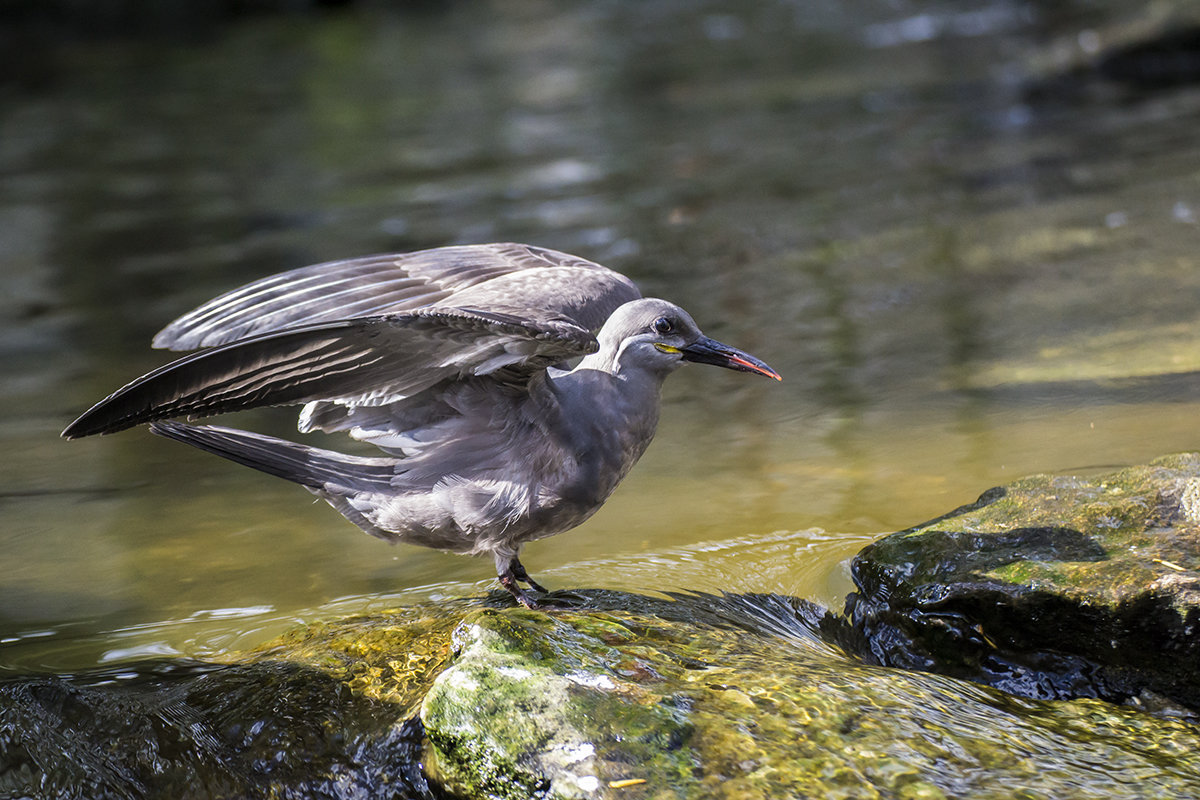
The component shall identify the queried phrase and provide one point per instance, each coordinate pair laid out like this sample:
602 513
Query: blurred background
964 231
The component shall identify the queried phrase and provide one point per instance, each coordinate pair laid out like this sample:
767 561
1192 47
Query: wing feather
514 278
356 362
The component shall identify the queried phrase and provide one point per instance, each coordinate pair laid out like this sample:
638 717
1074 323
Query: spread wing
529 282
366 361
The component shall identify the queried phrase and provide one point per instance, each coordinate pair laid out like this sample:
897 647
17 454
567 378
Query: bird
510 388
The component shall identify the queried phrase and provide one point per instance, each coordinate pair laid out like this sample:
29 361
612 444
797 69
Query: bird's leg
509 582
512 572
518 571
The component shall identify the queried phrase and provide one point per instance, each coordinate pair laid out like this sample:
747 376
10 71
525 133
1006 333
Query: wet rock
735 697
523 711
179 730
1052 587
1168 60
1143 48
325 711
607 695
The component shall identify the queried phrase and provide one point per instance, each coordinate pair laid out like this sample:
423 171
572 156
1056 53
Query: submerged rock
180 731
1052 587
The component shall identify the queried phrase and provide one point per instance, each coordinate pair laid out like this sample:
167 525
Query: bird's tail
322 470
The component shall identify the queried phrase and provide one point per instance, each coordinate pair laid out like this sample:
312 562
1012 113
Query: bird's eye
663 325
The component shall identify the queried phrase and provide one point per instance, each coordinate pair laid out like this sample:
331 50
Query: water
961 281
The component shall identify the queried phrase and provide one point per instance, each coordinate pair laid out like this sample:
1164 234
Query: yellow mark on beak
666 348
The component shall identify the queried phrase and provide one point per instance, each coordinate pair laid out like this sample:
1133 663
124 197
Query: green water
960 285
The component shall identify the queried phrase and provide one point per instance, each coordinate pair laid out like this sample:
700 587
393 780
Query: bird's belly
496 502
476 516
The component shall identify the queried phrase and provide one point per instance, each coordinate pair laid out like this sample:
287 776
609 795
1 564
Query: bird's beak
709 351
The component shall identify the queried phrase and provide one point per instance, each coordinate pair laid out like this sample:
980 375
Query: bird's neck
604 360
614 359
610 412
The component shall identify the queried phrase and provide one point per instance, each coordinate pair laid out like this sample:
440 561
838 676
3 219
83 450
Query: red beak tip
761 369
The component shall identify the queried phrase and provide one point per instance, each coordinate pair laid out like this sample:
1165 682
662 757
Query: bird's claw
511 579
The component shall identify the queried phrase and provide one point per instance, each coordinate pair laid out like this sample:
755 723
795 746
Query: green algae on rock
742 701
391 657
523 713
1052 587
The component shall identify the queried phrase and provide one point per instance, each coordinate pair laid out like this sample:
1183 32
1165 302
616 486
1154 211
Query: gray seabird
453 361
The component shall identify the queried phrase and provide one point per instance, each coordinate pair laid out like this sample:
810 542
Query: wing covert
524 280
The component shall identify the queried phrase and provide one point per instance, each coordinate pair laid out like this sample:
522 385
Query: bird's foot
518 571
523 597
511 578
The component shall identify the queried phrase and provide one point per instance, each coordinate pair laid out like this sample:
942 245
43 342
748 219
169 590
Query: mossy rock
1055 586
607 695
735 697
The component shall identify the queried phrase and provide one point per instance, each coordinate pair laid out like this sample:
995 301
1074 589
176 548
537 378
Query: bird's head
660 336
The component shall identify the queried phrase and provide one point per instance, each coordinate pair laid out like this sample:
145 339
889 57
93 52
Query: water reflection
960 280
